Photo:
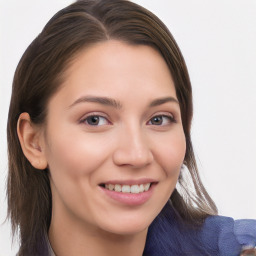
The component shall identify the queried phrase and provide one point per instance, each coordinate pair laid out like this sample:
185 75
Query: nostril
132 157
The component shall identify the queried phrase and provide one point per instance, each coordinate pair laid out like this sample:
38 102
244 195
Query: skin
126 144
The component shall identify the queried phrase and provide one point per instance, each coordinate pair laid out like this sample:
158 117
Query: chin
126 227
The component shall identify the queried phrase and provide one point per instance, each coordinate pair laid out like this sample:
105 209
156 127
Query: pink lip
130 182
129 198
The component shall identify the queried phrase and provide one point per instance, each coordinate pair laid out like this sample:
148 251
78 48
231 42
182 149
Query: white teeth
146 187
118 188
141 188
126 189
134 189
110 186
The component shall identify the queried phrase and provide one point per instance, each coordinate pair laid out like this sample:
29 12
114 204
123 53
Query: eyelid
169 115
164 114
98 114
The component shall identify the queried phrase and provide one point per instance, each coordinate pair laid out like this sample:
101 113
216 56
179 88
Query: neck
68 238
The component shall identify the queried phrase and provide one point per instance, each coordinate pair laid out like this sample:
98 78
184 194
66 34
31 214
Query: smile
134 189
129 192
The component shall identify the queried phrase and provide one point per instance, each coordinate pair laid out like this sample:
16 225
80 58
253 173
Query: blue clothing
219 236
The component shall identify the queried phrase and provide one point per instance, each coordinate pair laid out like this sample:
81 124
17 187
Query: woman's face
114 125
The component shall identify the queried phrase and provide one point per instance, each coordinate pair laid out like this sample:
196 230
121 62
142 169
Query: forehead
117 69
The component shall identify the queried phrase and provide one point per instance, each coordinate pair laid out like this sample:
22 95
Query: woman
100 156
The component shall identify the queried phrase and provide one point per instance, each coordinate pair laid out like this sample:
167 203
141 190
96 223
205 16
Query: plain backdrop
218 41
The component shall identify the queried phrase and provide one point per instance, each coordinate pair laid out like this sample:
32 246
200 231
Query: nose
132 149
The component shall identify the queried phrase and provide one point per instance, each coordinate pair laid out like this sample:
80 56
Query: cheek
171 153
74 160
76 154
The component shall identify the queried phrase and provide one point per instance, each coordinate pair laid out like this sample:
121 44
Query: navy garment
169 236
219 236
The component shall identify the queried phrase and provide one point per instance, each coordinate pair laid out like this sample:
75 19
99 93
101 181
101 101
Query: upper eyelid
94 114
164 113
173 119
104 115
82 119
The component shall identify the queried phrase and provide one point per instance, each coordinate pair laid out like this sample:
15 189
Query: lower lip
129 198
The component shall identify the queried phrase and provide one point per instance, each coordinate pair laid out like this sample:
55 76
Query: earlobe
30 139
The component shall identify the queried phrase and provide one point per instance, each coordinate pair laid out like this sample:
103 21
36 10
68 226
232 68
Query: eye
162 120
95 120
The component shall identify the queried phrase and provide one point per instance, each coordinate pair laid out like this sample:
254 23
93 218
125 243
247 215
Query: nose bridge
133 147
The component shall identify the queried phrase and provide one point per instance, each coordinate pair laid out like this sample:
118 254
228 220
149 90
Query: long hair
38 77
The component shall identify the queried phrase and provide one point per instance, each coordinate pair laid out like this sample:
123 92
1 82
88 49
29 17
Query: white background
218 41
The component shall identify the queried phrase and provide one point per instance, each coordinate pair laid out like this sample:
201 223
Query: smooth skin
115 117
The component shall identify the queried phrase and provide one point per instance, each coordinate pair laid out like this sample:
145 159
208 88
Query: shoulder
218 236
230 236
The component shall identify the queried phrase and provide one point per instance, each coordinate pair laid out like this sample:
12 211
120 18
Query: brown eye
95 120
157 120
161 120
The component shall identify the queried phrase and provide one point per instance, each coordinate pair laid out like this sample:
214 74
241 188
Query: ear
31 141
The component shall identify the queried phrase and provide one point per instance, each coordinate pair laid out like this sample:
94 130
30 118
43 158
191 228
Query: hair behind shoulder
39 75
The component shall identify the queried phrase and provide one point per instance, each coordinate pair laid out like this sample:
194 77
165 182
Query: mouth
132 189
129 192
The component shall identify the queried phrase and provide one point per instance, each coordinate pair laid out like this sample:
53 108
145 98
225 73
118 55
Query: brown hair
38 76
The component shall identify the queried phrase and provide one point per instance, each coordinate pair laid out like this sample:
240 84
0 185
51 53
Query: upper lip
131 181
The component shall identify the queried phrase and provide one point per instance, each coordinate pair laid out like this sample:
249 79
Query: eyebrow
117 104
164 100
101 100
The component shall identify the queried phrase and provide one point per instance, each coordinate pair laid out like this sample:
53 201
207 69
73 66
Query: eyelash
85 120
170 119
